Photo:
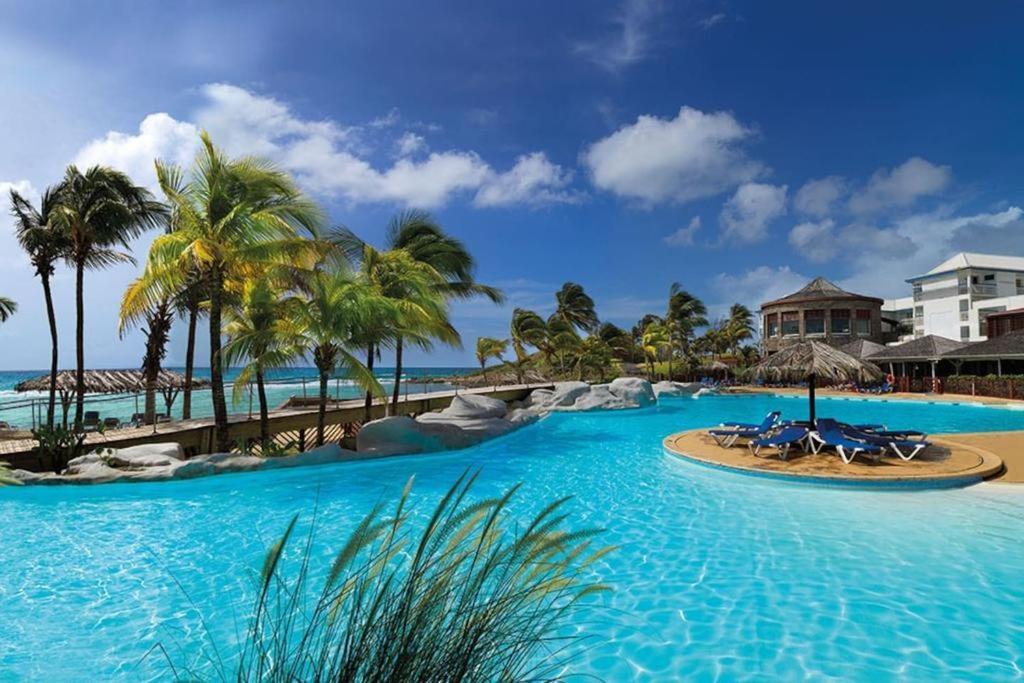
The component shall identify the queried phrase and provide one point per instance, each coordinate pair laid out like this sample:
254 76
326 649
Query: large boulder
666 388
566 393
634 391
473 406
398 434
600 397
145 455
538 398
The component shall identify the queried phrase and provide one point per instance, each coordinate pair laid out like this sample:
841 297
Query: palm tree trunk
398 376
368 404
261 392
52 319
79 344
321 411
222 437
190 354
670 355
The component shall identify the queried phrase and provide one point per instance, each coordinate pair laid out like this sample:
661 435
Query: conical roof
861 348
820 289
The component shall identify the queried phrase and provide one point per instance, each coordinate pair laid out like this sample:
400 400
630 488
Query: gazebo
861 348
168 383
813 360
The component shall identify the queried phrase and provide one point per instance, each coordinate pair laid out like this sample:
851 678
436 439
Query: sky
739 149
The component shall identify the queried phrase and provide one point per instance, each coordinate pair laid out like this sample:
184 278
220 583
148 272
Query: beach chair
774 415
111 423
138 419
829 434
727 437
91 421
781 441
904 448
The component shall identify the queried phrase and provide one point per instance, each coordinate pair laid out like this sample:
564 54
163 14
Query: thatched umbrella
810 360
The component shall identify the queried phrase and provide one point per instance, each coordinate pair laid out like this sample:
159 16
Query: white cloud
902 186
816 241
746 215
755 286
159 137
683 237
630 43
817 197
11 255
691 156
410 143
532 180
325 156
712 20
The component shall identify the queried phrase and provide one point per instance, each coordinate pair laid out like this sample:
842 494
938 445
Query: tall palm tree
261 334
685 313
561 339
527 329
417 233
575 307
487 348
233 218
45 244
655 338
99 210
157 331
188 305
340 307
740 325
8 307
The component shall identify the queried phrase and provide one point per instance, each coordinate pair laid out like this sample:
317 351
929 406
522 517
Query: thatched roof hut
811 360
109 382
928 348
801 361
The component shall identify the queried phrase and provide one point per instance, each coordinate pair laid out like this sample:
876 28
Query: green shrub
469 598
60 444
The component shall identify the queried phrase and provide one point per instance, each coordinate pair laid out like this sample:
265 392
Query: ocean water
718 576
16 408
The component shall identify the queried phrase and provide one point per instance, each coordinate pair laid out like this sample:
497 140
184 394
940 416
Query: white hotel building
954 298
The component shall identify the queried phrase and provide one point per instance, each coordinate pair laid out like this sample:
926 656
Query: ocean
22 409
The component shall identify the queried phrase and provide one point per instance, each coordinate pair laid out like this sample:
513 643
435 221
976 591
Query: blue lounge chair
774 416
829 434
782 441
727 437
904 448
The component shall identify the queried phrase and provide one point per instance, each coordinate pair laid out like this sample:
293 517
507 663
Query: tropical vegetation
467 595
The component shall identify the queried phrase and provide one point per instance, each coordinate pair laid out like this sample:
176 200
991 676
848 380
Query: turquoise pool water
720 576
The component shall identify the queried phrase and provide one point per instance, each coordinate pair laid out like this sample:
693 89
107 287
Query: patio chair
91 421
138 419
774 415
111 423
904 448
782 441
727 437
829 434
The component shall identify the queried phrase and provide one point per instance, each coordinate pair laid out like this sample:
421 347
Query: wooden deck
196 436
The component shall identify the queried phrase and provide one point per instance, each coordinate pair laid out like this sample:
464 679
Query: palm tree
685 313
740 325
233 218
261 333
45 244
655 338
339 310
593 353
422 238
575 307
618 340
98 210
188 305
561 338
489 347
7 308
527 329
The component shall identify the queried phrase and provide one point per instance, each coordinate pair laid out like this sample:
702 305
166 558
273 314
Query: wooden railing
290 426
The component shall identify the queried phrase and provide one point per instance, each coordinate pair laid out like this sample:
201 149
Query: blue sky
738 148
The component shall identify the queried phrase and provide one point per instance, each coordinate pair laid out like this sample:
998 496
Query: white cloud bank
747 214
901 186
630 43
684 236
328 158
691 156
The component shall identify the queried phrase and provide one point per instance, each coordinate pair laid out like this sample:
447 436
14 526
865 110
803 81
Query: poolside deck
946 463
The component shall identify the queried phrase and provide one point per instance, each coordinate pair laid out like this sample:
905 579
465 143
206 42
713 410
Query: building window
965 333
965 305
771 325
814 322
990 277
790 324
983 314
862 323
917 290
840 321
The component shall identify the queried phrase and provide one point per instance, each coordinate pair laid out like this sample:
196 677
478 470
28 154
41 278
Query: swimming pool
718 575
